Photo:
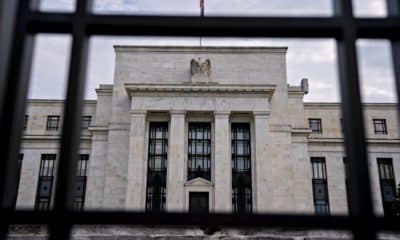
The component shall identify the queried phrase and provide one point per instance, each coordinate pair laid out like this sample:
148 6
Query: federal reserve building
207 129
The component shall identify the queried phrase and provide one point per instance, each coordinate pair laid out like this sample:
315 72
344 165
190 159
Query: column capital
177 112
137 112
261 113
222 113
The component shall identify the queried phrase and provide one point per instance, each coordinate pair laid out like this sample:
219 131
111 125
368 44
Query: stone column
222 163
263 165
136 184
176 163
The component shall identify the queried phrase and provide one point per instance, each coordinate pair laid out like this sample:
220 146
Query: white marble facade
242 84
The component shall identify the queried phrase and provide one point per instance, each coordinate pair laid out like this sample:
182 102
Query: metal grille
315 125
388 185
380 126
320 186
199 151
45 183
157 167
81 182
241 168
53 123
20 21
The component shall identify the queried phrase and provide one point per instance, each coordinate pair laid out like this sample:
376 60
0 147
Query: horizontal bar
184 219
315 27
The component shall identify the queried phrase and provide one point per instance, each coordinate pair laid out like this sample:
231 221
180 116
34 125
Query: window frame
81 175
46 174
154 172
238 175
83 24
320 178
380 122
318 121
53 122
388 180
205 156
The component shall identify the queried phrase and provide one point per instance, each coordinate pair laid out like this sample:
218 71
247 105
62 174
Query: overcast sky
314 59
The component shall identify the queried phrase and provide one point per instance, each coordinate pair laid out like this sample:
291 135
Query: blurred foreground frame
20 20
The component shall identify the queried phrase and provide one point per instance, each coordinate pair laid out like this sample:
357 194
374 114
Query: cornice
133 88
202 49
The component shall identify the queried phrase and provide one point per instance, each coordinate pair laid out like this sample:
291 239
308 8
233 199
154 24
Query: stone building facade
213 129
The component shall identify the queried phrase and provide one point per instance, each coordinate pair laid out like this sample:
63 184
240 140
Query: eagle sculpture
201 69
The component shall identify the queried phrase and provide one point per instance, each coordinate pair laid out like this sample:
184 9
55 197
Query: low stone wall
97 232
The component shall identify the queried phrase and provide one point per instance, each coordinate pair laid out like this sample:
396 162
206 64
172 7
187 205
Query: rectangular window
199 151
157 167
380 126
388 185
45 184
26 122
53 123
85 122
320 186
81 175
241 168
315 125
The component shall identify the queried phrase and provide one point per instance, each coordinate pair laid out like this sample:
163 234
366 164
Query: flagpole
201 14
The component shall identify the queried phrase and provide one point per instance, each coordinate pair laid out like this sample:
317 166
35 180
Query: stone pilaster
136 184
222 163
96 169
176 163
263 165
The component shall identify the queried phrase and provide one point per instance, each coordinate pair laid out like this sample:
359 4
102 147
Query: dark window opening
26 122
315 125
241 168
85 122
53 123
199 151
320 186
380 126
157 167
388 185
80 191
45 184
198 202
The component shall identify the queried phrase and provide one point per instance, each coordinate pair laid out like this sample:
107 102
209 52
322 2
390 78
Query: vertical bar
14 77
393 8
66 177
360 196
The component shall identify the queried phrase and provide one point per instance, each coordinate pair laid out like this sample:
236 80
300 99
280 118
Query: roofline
338 104
237 49
59 101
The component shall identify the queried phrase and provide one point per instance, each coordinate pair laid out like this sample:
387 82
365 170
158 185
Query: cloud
311 58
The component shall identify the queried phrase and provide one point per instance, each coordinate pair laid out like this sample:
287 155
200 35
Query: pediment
199 182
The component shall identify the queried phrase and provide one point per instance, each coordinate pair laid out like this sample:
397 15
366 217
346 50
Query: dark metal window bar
315 125
320 186
157 167
199 151
20 21
388 185
53 123
80 191
45 182
380 126
241 168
